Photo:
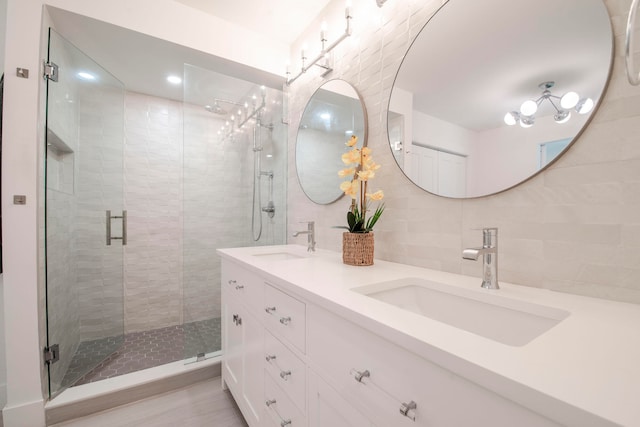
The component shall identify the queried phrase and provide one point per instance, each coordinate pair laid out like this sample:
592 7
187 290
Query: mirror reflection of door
467 97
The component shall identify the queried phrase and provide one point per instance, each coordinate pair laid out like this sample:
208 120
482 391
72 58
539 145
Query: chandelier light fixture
562 105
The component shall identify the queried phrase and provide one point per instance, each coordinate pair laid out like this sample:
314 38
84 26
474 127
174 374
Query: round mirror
513 85
332 115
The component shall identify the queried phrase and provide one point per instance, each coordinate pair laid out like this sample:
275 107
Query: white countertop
588 364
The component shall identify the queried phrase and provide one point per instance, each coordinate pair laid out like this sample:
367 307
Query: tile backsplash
573 228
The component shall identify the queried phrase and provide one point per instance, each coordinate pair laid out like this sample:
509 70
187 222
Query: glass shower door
85 224
234 189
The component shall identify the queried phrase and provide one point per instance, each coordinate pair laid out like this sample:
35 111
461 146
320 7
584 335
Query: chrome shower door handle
124 228
109 217
108 227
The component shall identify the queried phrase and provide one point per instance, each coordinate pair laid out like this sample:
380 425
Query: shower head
216 109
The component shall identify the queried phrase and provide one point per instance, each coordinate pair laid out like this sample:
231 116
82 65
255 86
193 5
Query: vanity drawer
249 287
279 409
285 367
378 377
285 316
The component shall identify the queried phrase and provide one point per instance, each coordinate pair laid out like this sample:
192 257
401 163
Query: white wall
573 228
3 372
23 129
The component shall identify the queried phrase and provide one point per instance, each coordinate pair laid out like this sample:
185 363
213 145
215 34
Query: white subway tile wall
573 228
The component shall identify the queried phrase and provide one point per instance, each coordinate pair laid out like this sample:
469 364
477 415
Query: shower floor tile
142 350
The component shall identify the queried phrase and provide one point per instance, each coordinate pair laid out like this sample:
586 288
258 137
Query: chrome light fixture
325 51
567 102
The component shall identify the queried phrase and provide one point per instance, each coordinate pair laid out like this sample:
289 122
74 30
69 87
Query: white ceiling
142 62
282 20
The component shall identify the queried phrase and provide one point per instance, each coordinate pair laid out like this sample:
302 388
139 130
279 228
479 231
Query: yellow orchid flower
350 188
352 156
371 165
360 168
366 175
346 172
378 195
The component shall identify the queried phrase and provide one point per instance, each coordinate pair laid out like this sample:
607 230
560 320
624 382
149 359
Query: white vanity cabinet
289 362
328 408
383 380
263 340
243 340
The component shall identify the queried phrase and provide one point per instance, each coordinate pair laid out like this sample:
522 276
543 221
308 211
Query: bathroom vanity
309 341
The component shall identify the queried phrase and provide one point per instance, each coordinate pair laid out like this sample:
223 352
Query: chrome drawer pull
270 357
232 282
270 310
283 422
360 376
285 375
406 407
285 320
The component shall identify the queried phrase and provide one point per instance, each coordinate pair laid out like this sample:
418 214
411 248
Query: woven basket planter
357 248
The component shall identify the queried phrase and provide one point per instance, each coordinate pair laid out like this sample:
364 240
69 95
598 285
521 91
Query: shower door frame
67 183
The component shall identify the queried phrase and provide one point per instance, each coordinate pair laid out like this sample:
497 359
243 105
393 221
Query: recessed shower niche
60 164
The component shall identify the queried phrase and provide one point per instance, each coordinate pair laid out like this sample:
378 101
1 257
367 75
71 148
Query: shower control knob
232 282
238 287
270 402
270 357
270 310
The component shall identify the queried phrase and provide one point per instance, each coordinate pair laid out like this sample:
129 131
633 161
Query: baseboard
28 415
88 399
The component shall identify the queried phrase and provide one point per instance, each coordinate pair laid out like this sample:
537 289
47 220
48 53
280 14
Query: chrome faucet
489 252
311 236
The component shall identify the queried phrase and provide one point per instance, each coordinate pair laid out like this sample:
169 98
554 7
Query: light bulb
584 106
569 100
529 108
86 76
526 122
511 118
174 80
562 117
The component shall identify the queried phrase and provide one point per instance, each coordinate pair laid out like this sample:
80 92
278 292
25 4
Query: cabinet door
328 408
253 368
231 343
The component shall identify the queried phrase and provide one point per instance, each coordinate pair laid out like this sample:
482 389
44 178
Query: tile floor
141 350
203 404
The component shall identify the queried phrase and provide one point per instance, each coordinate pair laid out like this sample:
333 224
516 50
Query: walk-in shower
114 309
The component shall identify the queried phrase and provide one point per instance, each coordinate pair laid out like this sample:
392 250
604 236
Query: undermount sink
481 312
278 256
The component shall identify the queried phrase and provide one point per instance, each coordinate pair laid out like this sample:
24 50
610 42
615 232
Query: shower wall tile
153 199
182 204
572 228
